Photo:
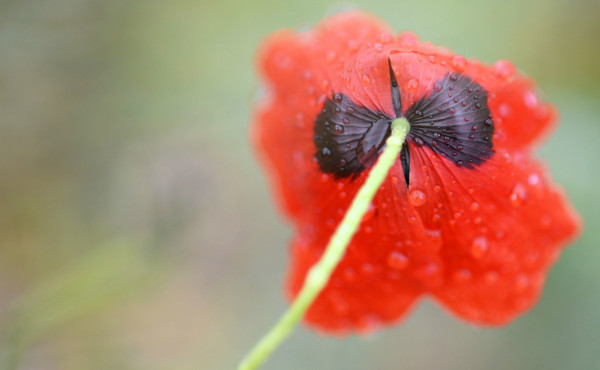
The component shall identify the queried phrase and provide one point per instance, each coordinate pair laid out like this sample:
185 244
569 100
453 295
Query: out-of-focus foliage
137 232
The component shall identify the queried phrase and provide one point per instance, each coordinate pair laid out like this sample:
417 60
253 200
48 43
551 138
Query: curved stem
319 274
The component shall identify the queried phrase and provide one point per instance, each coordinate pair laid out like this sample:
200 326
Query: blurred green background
137 230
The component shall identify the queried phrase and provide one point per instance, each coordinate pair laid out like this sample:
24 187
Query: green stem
319 274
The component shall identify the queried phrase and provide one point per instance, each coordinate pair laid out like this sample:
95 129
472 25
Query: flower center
453 120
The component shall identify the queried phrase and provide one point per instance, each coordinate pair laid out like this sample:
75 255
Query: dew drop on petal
386 38
416 198
353 46
504 110
521 282
479 247
411 85
491 277
545 221
504 69
367 269
366 80
340 305
459 62
397 260
371 210
349 275
518 195
462 275
369 323
531 100
534 180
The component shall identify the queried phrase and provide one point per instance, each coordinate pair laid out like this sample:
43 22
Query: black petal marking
349 137
396 99
454 120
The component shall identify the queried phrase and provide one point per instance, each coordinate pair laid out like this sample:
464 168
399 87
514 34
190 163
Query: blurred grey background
137 230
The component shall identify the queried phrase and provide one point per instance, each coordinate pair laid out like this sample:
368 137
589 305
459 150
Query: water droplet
366 80
386 38
459 62
437 188
479 247
330 56
371 210
352 46
339 304
474 206
518 195
394 179
504 110
369 323
326 152
431 59
283 61
397 260
367 269
416 197
531 100
338 129
462 275
411 86
378 47
545 221
521 282
491 277
454 77
349 274
534 180
504 69
434 238
438 87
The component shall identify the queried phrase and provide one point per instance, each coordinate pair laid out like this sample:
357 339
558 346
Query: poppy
466 214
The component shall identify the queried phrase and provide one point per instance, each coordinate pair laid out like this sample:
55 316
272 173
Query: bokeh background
137 230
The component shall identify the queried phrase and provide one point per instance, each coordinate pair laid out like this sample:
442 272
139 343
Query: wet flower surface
466 214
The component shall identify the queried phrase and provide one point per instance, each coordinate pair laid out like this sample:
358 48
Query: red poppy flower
466 215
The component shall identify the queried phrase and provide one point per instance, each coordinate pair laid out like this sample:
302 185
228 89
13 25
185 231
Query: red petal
439 236
303 69
387 264
503 225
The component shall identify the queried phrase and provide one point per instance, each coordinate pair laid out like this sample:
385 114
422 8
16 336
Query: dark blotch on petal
454 121
349 137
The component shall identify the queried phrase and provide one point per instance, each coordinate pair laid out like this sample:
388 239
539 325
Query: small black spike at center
405 161
395 91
